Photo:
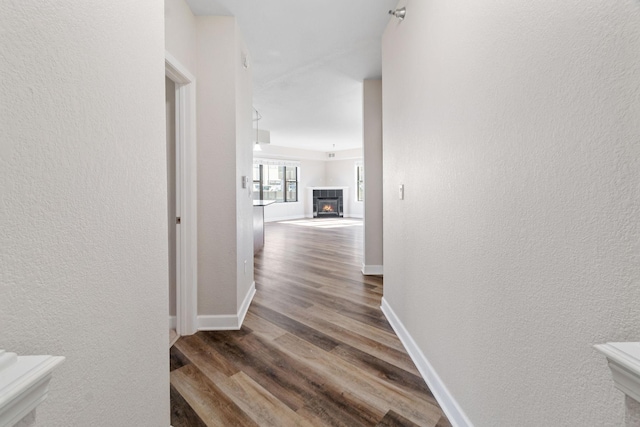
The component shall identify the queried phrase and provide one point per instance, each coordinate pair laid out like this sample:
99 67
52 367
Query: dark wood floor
314 350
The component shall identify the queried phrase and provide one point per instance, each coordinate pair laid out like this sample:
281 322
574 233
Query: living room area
308 171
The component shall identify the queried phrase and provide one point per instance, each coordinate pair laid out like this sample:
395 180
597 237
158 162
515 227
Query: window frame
360 180
285 182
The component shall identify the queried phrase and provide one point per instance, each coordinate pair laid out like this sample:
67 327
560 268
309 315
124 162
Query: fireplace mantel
308 206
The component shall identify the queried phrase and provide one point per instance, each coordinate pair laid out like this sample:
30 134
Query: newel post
624 362
24 384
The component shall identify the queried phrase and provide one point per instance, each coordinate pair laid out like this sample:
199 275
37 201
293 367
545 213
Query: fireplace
327 203
327 207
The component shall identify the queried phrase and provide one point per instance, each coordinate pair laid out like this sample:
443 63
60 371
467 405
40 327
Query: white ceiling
308 59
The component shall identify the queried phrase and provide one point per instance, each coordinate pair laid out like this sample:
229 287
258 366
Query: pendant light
256 146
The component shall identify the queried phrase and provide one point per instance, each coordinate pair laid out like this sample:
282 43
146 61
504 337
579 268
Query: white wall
83 218
354 153
244 167
270 151
180 33
224 128
514 127
342 173
372 151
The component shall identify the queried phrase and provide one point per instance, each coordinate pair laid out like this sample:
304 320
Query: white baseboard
173 322
372 270
357 216
228 322
218 322
246 303
447 402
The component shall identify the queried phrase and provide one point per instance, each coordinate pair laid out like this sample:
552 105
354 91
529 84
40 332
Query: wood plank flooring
314 349
173 337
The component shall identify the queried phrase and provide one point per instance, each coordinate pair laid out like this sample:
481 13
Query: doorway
181 198
172 218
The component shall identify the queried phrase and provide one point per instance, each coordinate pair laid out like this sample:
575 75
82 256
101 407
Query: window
292 184
275 182
360 182
257 173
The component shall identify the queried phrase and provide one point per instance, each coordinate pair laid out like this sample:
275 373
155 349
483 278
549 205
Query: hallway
315 349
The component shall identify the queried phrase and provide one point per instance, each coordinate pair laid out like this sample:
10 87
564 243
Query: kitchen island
258 223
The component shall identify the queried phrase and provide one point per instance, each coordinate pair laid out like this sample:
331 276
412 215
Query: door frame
186 196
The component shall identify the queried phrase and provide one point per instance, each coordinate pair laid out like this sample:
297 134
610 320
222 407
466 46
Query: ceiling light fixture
399 13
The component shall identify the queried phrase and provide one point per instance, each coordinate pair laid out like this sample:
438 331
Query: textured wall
312 174
216 134
372 150
632 412
224 112
180 33
244 167
83 217
514 127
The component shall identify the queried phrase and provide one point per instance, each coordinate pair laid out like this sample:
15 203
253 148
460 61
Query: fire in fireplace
327 202
328 207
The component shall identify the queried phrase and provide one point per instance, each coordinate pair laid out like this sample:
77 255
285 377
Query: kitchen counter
258 223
